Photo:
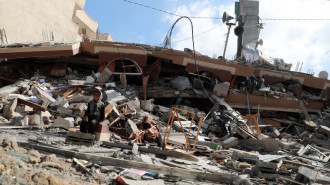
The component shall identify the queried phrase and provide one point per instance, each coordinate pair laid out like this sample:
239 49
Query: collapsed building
171 116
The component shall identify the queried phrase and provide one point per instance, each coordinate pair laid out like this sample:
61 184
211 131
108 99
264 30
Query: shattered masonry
168 118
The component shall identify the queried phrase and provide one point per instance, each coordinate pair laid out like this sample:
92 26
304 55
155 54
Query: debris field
168 119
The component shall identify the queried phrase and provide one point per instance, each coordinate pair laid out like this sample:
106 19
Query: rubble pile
143 141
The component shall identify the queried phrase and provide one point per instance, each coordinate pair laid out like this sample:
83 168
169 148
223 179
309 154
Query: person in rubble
94 115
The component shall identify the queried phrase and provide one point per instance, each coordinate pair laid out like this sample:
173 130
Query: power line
195 17
197 34
163 11
274 19
208 31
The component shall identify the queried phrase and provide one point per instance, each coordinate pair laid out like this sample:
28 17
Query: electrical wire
163 11
197 34
196 17
275 19
209 31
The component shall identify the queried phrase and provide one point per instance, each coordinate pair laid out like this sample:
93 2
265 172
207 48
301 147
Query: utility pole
229 26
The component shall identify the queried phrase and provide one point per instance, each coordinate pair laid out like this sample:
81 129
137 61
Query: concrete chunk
114 96
89 79
9 109
306 175
270 165
324 129
17 119
102 133
269 145
147 105
45 117
181 83
230 142
35 119
60 102
221 89
105 75
46 98
80 107
76 82
275 134
65 123
64 111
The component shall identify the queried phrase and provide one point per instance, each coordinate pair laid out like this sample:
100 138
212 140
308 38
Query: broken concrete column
221 89
181 83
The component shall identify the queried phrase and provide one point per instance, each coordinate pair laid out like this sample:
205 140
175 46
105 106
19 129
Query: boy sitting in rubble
94 115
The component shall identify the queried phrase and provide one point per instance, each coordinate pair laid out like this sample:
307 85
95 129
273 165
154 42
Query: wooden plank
151 150
108 109
31 104
68 93
13 107
23 127
183 173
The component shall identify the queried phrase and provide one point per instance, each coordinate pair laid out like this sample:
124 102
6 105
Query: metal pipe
247 102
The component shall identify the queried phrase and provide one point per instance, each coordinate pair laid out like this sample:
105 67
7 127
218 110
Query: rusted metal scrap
149 132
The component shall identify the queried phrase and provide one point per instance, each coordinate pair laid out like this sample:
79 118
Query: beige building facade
24 21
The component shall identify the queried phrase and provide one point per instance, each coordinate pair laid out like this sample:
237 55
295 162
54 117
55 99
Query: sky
304 41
